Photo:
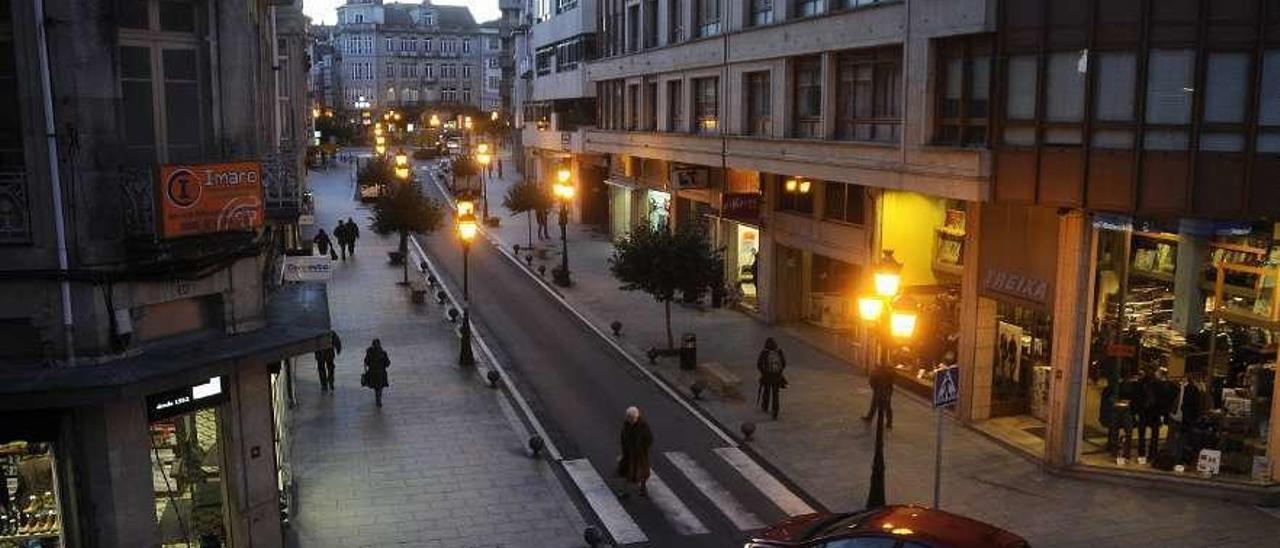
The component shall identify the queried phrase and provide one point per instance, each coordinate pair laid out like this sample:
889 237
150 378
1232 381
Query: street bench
720 380
418 290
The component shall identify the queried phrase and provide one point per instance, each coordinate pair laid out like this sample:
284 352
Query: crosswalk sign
946 386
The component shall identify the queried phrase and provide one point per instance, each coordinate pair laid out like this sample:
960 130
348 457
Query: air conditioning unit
689 178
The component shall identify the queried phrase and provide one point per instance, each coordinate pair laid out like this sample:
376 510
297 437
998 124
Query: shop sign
185 399
207 198
307 268
1016 285
741 206
1111 221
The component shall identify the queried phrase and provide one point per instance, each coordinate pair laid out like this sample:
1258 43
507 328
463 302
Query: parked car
888 527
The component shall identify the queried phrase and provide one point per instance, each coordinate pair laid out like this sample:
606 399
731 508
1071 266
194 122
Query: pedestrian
881 380
353 234
543 232
341 234
376 363
633 466
324 361
324 244
771 364
499 168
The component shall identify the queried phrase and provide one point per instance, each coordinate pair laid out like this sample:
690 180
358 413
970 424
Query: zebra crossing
678 484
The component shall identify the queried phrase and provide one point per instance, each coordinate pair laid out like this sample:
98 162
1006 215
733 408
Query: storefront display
748 261
30 515
1182 366
659 208
1020 370
187 464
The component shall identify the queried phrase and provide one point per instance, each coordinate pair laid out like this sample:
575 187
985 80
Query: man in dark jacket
353 234
323 242
342 234
376 363
881 381
324 361
771 364
636 440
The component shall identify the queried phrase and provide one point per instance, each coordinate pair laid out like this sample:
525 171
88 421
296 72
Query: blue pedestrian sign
946 386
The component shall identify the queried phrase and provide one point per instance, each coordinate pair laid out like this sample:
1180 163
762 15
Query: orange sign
206 198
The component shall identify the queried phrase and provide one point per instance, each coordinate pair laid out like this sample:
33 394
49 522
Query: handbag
364 378
333 255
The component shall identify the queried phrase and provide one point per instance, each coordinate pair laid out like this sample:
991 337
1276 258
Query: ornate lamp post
564 192
402 165
884 324
466 232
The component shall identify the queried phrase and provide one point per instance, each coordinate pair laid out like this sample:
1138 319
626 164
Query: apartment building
395 55
491 38
150 179
325 90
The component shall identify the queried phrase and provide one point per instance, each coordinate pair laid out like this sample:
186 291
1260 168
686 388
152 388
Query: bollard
697 387
536 445
440 297
748 429
493 377
616 326
592 536
453 315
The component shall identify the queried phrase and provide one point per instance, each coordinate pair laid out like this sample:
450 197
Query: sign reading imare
207 198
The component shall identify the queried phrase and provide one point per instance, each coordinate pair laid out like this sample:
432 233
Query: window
493 82
808 98
869 95
633 107
650 24
565 5
493 63
162 85
611 106
844 203
1064 99
614 30
1269 103
466 95
859 3
706 17
391 70
1170 81
541 10
495 44
187 465
675 106
1225 93
1116 77
466 45
761 12
706 104
413 44
651 106
794 201
390 45
429 19
675 21
807 8
466 71
426 44
11 156
964 90
542 61
429 71
759 104
1020 108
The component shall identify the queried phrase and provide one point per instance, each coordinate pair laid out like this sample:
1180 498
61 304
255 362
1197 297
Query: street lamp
402 165
797 185
467 230
434 121
564 191
482 157
884 323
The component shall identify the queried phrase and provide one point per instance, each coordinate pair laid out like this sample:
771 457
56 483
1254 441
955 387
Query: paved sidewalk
821 445
440 465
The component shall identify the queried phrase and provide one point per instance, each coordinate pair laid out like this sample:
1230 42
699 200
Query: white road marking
604 502
741 517
786 500
674 509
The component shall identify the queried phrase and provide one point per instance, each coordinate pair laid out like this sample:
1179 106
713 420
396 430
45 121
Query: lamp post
564 191
482 158
402 165
883 324
466 232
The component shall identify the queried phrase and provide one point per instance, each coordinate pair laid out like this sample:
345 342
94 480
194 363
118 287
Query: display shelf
32 536
1151 275
1239 247
1262 311
1157 236
1230 289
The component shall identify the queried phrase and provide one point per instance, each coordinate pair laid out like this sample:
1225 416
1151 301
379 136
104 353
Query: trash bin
689 352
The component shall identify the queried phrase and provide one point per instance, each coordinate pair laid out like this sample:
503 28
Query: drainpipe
55 183
275 73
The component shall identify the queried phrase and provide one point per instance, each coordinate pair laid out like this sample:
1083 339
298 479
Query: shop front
1180 378
32 493
189 464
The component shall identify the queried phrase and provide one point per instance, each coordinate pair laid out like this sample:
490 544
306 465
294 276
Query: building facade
404 55
150 179
325 85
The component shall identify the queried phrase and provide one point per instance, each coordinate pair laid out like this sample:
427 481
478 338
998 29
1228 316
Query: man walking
541 215
881 380
341 233
324 362
376 363
636 441
771 364
323 243
499 168
353 234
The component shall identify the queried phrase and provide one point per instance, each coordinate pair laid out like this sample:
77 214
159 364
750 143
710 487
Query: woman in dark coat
771 364
636 441
376 363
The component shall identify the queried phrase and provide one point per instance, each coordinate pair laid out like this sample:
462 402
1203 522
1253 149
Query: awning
297 322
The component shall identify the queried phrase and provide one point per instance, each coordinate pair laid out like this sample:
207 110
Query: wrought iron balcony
15 208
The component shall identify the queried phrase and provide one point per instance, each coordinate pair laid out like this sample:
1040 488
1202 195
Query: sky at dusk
322 11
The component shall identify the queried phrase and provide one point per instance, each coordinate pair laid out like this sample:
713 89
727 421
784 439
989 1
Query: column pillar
1071 320
1193 246
967 351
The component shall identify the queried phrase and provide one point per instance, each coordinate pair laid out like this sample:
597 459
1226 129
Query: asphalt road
579 387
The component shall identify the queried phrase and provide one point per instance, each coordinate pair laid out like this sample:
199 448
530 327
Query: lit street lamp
564 191
466 232
402 165
885 324
482 158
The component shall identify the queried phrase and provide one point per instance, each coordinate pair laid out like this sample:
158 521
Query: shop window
869 95
759 104
30 513
798 200
706 104
808 98
844 203
1269 104
1116 76
964 90
1170 86
1020 370
188 474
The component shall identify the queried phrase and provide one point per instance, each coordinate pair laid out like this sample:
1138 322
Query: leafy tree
464 167
403 211
660 262
527 197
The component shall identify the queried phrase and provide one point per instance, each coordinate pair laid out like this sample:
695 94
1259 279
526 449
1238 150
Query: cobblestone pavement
440 465
821 445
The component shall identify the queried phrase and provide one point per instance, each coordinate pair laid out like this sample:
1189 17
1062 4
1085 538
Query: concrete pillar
1193 247
1071 321
254 514
984 352
967 347
113 471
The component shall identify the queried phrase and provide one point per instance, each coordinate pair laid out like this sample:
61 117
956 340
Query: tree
527 197
660 262
403 211
464 167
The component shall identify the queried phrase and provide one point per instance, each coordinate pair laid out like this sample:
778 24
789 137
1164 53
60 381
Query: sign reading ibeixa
207 198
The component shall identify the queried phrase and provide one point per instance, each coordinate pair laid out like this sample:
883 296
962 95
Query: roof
447 17
297 322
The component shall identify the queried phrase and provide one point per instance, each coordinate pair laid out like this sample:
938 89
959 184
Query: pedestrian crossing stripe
675 510
723 500
784 498
604 502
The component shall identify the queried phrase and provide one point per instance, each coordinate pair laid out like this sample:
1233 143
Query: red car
888 527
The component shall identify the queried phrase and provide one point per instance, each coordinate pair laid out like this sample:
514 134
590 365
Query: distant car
888 527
